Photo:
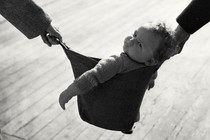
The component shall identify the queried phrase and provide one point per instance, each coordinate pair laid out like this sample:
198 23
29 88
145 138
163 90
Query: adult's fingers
57 34
52 31
45 39
53 40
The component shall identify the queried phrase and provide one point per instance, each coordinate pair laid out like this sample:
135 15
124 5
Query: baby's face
142 45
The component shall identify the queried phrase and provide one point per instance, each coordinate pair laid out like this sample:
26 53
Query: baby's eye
139 43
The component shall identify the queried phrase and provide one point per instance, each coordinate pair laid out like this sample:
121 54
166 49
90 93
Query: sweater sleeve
103 71
26 16
194 16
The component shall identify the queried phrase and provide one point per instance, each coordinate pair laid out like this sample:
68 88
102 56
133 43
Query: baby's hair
167 46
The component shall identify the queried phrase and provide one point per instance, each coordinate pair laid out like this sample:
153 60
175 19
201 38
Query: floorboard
32 75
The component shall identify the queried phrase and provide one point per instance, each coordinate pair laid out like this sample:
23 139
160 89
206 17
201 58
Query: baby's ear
151 62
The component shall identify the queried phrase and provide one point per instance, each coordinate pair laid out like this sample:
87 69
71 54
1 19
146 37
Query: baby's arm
103 71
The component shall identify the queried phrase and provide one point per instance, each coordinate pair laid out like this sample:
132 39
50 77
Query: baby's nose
129 38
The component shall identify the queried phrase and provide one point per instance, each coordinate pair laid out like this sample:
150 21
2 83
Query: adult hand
181 37
50 35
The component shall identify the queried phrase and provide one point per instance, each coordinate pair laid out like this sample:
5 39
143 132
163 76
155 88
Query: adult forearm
194 16
26 16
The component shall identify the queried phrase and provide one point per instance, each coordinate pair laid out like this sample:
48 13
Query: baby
150 45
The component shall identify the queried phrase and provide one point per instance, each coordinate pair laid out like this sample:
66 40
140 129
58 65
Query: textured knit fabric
103 71
195 15
26 16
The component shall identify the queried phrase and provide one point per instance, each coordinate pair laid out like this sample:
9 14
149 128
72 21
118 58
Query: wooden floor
33 75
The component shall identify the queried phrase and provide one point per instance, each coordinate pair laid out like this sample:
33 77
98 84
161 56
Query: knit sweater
103 71
26 16
194 16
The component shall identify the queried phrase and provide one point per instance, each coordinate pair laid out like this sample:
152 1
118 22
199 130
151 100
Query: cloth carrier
115 104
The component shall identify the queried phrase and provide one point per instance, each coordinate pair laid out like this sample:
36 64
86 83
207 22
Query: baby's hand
151 84
152 81
64 98
67 94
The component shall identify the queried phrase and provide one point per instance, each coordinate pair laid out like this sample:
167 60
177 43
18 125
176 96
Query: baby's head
152 44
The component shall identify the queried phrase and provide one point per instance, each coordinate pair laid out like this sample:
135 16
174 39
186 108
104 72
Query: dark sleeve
26 16
194 16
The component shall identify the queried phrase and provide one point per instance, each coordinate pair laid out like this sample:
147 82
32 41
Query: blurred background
32 75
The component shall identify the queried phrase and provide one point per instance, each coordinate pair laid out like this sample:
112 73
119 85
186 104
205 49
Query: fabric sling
113 105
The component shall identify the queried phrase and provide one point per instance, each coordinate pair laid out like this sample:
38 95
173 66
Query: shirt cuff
83 84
